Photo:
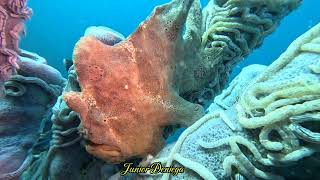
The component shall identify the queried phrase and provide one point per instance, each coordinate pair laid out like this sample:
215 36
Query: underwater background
114 108
57 25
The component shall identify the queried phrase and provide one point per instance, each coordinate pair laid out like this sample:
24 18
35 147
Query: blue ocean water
57 25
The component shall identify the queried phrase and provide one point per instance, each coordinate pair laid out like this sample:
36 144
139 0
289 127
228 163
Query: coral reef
28 90
13 13
146 79
270 132
25 106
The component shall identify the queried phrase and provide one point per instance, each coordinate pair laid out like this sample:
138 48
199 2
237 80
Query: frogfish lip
105 147
101 146
91 142
110 154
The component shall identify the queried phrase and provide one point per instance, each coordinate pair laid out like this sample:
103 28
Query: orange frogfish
128 94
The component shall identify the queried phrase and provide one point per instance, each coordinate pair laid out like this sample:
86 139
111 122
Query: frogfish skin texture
127 90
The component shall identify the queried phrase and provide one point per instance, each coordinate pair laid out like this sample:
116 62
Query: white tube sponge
279 96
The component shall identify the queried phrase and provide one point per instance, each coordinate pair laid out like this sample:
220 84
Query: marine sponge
104 34
13 13
143 79
284 96
23 110
269 101
230 95
258 145
231 30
